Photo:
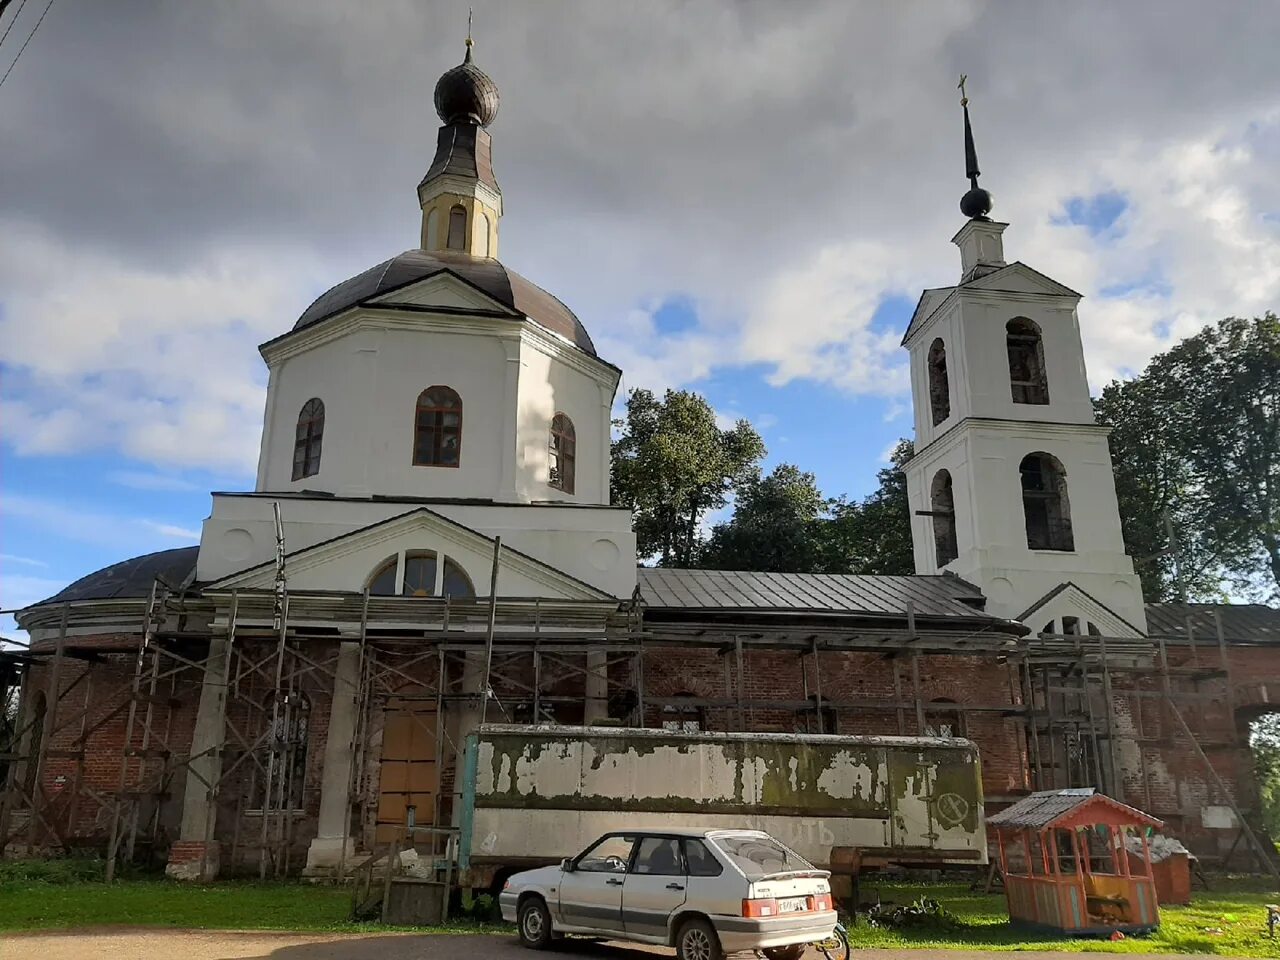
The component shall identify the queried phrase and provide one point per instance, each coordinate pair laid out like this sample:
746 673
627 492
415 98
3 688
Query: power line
25 42
16 14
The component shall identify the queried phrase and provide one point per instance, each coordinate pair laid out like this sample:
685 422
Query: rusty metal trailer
532 795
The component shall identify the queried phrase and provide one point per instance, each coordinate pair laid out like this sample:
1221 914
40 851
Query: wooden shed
1066 865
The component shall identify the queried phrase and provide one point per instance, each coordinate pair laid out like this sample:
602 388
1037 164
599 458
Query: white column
510 420
333 842
193 856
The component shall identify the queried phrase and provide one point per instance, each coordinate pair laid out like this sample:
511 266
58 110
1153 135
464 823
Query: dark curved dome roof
133 577
486 274
466 94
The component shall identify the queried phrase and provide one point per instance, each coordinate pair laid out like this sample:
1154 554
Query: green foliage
672 464
782 524
874 535
1264 739
1196 446
777 526
52 872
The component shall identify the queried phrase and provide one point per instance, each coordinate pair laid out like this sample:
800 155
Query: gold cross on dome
964 97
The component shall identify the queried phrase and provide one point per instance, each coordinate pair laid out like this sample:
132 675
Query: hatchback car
703 892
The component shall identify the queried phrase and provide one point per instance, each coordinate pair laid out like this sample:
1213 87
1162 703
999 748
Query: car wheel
534 922
697 940
792 951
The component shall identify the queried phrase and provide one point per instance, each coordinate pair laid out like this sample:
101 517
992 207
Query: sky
740 198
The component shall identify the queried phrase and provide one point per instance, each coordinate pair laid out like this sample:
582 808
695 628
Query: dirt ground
119 944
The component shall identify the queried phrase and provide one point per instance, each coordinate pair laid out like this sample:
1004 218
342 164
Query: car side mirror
566 865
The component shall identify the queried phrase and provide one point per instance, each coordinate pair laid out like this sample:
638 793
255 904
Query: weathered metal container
533 795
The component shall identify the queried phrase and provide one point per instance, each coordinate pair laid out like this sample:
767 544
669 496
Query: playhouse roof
1075 807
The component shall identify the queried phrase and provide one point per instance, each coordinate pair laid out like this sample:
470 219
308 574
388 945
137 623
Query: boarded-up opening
408 774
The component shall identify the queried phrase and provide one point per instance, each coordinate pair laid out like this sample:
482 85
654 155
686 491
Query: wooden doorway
408 775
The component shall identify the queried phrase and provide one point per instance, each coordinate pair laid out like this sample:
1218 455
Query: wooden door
408 773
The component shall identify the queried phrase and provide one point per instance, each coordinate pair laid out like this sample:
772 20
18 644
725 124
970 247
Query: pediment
929 302
1019 278
1068 600
443 290
346 562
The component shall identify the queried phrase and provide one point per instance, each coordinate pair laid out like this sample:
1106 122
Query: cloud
783 181
142 480
170 530
80 524
6 558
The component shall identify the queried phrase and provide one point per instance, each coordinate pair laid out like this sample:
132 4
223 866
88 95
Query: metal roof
484 273
1045 807
1247 622
931 596
133 577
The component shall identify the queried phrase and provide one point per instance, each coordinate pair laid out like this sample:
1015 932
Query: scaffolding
274 652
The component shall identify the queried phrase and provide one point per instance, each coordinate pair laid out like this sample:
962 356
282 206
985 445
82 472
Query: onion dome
466 94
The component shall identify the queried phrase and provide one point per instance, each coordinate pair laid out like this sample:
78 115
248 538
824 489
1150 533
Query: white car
704 892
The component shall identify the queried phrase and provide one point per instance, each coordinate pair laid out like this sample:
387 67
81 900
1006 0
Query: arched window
1026 362
939 389
943 509
455 582
433 229
562 453
282 755
458 227
482 236
307 441
437 428
1045 504
422 577
419 574
683 717
945 722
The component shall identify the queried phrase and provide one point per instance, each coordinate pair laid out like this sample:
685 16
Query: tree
777 526
1264 740
1196 440
874 536
672 465
1155 492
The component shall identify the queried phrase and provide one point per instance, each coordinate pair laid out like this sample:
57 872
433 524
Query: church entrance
409 777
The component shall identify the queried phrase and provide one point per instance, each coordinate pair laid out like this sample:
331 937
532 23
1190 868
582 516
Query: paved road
117 944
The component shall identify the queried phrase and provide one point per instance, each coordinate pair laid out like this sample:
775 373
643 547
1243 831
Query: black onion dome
976 204
466 94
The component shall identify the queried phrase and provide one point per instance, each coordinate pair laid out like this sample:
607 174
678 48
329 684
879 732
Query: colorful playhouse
1067 867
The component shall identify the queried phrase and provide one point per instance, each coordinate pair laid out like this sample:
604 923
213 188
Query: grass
66 894
1229 920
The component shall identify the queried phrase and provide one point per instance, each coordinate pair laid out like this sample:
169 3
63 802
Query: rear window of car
760 856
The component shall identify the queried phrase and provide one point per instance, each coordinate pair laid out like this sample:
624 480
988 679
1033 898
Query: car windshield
758 856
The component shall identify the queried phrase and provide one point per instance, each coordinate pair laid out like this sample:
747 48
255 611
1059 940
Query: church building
430 545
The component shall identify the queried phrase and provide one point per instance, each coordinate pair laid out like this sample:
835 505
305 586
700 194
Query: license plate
793 905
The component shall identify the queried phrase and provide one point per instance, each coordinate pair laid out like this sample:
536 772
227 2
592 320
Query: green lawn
1229 921
65 895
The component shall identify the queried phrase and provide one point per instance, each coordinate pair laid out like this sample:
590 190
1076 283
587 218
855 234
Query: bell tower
1011 485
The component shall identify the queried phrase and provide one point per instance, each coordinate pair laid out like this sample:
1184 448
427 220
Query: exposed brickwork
1159 770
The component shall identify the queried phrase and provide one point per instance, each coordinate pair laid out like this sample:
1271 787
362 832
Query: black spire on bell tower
977 203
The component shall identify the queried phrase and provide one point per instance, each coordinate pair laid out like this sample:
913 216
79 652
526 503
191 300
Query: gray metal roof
931 596
1247 622
1042 808
484 273
131 578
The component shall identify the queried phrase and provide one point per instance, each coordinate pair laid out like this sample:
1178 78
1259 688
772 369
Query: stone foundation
193 860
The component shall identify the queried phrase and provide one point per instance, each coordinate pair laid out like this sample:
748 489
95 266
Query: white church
430 543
